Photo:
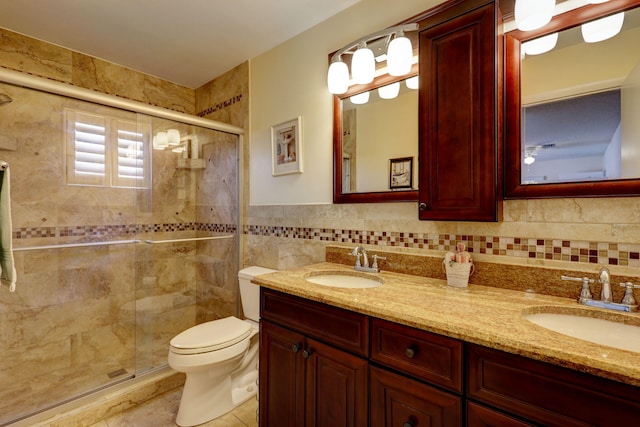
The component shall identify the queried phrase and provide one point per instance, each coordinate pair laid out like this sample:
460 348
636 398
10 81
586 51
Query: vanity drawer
424 355
342 328
548 394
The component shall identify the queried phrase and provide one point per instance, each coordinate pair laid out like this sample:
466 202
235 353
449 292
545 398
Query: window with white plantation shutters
105 151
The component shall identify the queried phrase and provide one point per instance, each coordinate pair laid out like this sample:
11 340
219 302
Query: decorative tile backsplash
115 231
581 251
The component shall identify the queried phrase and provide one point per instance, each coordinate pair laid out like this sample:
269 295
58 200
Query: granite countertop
484 315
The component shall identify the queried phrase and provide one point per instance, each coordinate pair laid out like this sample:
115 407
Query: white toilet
220 358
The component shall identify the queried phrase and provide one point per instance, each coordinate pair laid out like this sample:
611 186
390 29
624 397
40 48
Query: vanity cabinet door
281 377
399 401
313 365
458 137
336 387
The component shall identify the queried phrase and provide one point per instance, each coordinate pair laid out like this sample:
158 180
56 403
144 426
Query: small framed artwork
286 144
401 173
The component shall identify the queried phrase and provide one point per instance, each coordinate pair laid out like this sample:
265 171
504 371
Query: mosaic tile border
116 231
523 247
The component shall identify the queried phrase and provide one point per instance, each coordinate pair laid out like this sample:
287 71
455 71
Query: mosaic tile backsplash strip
577 251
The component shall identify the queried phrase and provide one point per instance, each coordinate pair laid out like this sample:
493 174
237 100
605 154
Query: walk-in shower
119 245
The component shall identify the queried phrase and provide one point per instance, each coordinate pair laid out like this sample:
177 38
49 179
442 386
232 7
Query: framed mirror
375 143
571 116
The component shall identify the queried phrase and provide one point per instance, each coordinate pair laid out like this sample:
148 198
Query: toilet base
201 402
206 397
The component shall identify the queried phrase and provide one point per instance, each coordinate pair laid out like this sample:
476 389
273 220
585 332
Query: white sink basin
340 279
599 331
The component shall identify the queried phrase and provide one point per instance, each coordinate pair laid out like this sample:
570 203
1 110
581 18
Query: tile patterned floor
161 412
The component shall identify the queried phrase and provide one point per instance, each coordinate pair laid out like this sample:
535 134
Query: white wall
290 81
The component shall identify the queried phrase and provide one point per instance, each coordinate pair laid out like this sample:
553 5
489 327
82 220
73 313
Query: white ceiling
188 42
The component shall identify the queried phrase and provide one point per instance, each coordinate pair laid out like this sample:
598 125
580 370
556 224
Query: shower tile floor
161 412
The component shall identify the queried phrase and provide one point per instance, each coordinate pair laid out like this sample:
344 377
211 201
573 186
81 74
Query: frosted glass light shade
338 77
603 28
389 91
540 45
173 137
399 56
160 141
363 66
533 14
412 82
361 98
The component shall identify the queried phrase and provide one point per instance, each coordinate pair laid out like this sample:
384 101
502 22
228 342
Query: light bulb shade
361 98
533 14
338 78
529 159
540 45
173 137
160 141
363 66
603 28
399 56
389 91
412 82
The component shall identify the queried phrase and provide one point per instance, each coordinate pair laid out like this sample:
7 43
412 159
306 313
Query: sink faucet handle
585 293
628 298
375 260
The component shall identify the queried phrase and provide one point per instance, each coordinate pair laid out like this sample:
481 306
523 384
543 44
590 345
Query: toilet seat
211 336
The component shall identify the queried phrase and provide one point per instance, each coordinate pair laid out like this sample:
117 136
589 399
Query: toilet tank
250 293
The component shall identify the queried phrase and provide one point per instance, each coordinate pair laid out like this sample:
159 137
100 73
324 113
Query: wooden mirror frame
513 188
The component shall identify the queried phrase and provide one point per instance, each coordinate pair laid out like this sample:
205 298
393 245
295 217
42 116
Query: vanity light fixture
160 141
533 14
360 98
398 51
603 28
363 65
540 45
389 91
399 55
163 140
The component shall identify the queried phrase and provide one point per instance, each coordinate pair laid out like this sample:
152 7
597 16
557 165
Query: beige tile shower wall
217 203
42 59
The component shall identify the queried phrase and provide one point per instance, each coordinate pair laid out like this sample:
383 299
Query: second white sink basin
599 331
338 279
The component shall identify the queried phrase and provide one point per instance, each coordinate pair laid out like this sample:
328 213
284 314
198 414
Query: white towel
8 272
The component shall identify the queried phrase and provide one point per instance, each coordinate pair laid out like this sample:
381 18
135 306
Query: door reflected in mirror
580 108
383 128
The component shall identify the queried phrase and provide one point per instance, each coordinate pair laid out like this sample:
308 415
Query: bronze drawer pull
410 352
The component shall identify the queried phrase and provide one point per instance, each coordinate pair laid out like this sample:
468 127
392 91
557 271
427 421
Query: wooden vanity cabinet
313 366
545 394
458 113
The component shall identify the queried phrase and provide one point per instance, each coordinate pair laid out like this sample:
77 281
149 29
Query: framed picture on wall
286 144
401 173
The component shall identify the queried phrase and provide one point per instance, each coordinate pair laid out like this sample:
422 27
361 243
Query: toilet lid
211 336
